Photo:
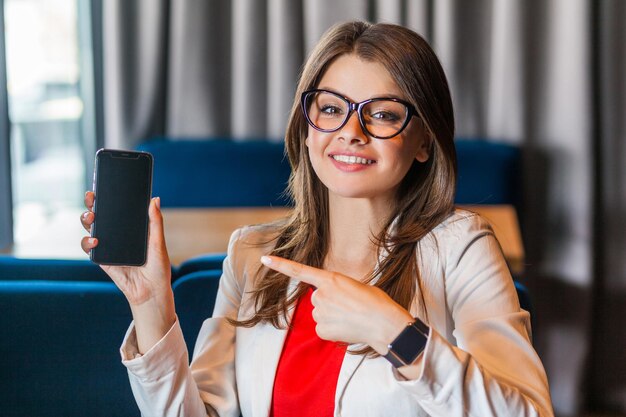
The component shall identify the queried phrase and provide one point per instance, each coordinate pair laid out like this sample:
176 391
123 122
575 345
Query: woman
376 297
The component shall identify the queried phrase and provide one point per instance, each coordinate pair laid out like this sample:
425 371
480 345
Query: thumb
155 228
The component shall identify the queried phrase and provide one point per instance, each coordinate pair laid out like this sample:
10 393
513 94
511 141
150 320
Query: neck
353 225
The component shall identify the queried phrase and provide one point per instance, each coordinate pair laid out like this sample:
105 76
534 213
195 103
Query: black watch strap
409 344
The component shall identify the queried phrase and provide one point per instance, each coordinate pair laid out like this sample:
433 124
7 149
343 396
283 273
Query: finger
89 199
315 315
86 219
88 243
314 299
321 333
295 270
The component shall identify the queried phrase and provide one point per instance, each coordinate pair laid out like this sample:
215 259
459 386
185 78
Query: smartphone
122 184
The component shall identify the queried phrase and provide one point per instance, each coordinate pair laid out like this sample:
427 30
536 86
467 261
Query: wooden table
191 232
505 224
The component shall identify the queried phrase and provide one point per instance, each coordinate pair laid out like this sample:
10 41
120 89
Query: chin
354 192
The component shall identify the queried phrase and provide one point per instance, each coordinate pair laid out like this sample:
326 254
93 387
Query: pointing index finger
294 270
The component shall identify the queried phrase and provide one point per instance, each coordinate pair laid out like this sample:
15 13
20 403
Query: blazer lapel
349 366
269 341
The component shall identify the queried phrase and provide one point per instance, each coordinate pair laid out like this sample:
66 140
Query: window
49 89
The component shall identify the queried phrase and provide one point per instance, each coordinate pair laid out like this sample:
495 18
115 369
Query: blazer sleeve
163 382
493 369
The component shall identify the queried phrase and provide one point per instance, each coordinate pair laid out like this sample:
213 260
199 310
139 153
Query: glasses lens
384 118
325 110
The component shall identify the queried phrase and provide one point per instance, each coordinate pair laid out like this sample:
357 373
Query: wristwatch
409 344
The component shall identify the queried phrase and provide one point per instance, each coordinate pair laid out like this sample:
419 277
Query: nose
352 131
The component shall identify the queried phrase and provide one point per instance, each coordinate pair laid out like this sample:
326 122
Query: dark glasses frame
358 107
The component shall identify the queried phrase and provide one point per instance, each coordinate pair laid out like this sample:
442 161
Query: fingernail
158 202
266 260
85 214
91 240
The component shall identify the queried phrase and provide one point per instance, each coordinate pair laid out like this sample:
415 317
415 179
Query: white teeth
352 159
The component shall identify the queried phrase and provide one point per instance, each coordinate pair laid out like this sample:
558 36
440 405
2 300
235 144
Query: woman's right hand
142 283
147 288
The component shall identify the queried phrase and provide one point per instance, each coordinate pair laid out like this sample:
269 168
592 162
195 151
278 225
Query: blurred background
548 76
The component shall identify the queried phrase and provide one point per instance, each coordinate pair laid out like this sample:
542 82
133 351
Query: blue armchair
194 295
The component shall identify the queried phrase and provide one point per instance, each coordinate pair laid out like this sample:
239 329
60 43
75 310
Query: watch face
409 344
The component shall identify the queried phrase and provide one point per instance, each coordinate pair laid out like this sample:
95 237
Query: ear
423 152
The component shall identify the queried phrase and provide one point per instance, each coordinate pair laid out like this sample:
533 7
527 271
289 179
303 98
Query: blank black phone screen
123 186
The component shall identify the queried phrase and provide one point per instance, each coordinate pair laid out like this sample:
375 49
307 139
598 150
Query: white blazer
479 360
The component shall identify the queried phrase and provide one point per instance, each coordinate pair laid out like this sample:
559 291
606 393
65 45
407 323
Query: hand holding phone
147 287
151 280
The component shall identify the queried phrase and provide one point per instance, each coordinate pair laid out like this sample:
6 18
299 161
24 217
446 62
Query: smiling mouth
352 159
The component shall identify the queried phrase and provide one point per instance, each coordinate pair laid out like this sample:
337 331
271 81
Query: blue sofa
12 268
16 269
204 173
218 173
59 353
59 349
488 173
62 324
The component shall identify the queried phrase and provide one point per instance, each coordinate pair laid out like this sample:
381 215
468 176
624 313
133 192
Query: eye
385 116
384 112
331 110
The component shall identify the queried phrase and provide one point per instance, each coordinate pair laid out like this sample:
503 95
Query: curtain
547 75
608 362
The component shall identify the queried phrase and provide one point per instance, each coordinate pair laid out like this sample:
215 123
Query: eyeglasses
382 118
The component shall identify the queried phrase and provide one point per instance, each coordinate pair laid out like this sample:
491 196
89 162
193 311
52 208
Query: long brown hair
425 196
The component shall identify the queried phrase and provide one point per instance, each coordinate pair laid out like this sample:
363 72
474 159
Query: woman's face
383 163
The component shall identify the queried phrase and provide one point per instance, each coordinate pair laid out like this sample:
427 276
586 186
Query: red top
306 377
